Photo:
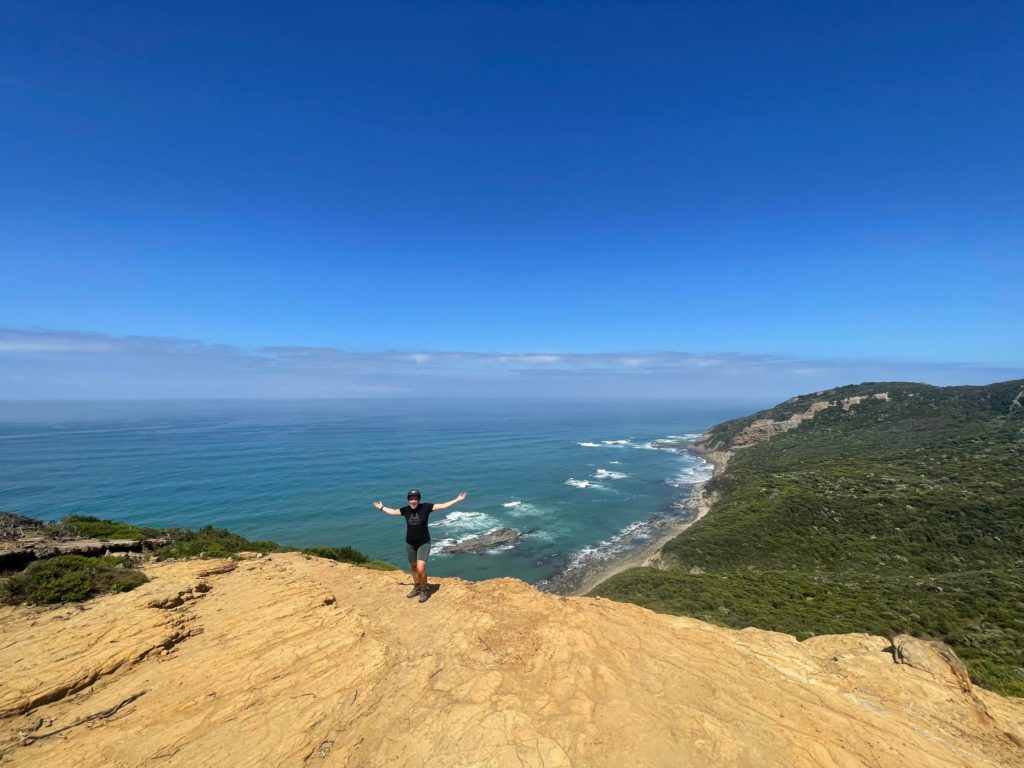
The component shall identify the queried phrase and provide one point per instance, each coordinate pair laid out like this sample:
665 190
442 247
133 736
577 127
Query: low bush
341 554
212 542
378 565
95 528
69 578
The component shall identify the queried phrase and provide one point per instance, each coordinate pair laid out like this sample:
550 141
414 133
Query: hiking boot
415 590
424 593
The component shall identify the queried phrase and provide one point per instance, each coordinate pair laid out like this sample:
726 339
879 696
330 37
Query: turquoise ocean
580 480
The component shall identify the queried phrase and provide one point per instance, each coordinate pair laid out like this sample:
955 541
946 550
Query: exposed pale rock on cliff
292 661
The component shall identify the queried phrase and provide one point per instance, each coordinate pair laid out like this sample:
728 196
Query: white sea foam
464 520
614 462
518 508
500 548
610 444
694 473
440 544
539 534
582 483
608 474
623 541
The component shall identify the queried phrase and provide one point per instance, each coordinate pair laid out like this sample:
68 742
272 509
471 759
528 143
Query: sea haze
581 480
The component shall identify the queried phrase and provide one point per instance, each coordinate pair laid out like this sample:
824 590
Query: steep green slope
903 514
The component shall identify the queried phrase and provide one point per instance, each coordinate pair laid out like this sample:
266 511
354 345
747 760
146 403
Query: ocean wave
694 473
537 533
628 538
673 443
608 474
500 548
518 508
439 544
619 443
582 483
476 522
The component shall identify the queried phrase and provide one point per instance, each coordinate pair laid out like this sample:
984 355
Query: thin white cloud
21 342
43 364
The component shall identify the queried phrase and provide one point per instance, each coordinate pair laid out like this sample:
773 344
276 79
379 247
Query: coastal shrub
212 542
216 542
95 528
341 554
378 565
69 578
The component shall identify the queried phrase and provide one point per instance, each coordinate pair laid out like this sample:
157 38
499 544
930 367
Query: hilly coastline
848 594
880 507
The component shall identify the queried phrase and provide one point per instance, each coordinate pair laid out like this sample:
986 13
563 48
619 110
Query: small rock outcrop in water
483 541
294 661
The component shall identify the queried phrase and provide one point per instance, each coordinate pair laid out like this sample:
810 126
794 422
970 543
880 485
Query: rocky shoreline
580 581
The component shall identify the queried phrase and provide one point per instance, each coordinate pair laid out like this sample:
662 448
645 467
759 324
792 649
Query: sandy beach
580 581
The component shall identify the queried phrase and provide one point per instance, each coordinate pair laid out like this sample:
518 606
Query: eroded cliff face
289 660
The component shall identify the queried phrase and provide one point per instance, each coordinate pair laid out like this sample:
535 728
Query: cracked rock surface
293 661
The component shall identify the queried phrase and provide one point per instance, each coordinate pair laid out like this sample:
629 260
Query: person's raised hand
461 496
379 504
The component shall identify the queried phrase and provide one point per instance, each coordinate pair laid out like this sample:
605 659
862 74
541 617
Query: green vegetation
378 565
211 542
217 542
69 578
904 515
349 555
341 554
94 528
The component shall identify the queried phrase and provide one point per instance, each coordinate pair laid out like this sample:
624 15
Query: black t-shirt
416 531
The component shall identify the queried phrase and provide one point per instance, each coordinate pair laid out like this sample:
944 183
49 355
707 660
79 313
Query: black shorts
417 551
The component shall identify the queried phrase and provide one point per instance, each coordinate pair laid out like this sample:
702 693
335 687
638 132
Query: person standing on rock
417 536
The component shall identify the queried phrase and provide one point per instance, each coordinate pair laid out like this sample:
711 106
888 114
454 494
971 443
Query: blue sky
824 186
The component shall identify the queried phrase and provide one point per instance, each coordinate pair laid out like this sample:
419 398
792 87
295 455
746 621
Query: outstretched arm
386 510
447 504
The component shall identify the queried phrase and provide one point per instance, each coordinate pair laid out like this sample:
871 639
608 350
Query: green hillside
898 515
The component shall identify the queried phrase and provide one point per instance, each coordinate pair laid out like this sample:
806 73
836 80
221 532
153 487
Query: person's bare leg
421 567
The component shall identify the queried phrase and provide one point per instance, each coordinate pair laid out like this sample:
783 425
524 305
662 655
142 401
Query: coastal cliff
294 660
887 507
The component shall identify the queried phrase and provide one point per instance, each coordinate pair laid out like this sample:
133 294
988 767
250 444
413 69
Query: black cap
413 494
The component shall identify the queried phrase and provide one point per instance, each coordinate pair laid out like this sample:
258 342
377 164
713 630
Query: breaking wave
464 520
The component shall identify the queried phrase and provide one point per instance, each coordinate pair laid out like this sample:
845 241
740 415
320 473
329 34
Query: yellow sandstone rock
296 661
